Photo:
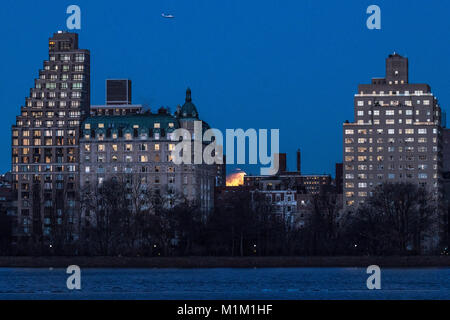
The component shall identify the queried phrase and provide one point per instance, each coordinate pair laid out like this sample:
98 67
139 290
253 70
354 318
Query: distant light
235 179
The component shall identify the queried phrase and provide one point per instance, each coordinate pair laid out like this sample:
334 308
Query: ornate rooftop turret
189 110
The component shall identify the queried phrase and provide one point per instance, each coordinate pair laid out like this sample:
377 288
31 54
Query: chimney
298 161
281 162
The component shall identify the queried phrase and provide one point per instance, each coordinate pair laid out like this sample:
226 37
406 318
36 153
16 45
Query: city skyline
278 73
225 150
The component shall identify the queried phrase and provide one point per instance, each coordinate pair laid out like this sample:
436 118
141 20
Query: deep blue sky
292 65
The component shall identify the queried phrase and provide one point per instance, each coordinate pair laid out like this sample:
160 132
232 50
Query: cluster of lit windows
390 131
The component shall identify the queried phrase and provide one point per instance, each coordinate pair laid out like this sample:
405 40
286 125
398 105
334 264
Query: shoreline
224 262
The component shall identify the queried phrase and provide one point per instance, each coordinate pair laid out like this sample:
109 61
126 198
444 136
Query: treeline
396 219
126 219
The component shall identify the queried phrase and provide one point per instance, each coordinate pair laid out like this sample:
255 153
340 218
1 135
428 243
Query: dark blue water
271 283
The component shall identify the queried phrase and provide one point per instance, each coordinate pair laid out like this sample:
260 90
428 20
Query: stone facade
137 148
396 135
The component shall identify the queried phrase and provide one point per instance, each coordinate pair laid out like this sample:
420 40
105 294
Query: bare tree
395 219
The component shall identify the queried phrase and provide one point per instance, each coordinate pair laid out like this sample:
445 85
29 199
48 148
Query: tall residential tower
396 135
45 147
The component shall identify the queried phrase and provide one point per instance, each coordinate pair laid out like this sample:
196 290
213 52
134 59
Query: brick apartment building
396 135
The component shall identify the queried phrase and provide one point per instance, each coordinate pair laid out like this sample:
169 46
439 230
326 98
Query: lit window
422 131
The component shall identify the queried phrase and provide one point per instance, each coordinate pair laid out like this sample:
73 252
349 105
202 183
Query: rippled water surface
271 283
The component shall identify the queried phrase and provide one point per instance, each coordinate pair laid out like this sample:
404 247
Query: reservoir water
224 283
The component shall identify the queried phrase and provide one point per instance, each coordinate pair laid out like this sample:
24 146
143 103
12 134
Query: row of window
396 92
46 133
51 95
47 159
408 112
361 103
77 57
62 86
391 166
128 158
44 168
64 67
389 149
48 124
51 114
389 176
63 95
52 104
391 121
390 131
63 77
46 151
129 136
59 141
128 147
128 169
380 158
156 125
389 140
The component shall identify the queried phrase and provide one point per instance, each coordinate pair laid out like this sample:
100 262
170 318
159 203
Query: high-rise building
45 140
118 100
395 137
118 91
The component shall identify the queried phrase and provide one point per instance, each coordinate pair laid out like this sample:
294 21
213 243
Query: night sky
292 65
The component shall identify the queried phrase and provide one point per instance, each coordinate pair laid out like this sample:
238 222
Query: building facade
289 180
138 147
396 135
45 139
118 100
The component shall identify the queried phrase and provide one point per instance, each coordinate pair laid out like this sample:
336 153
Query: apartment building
395 137
45 139
138 147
